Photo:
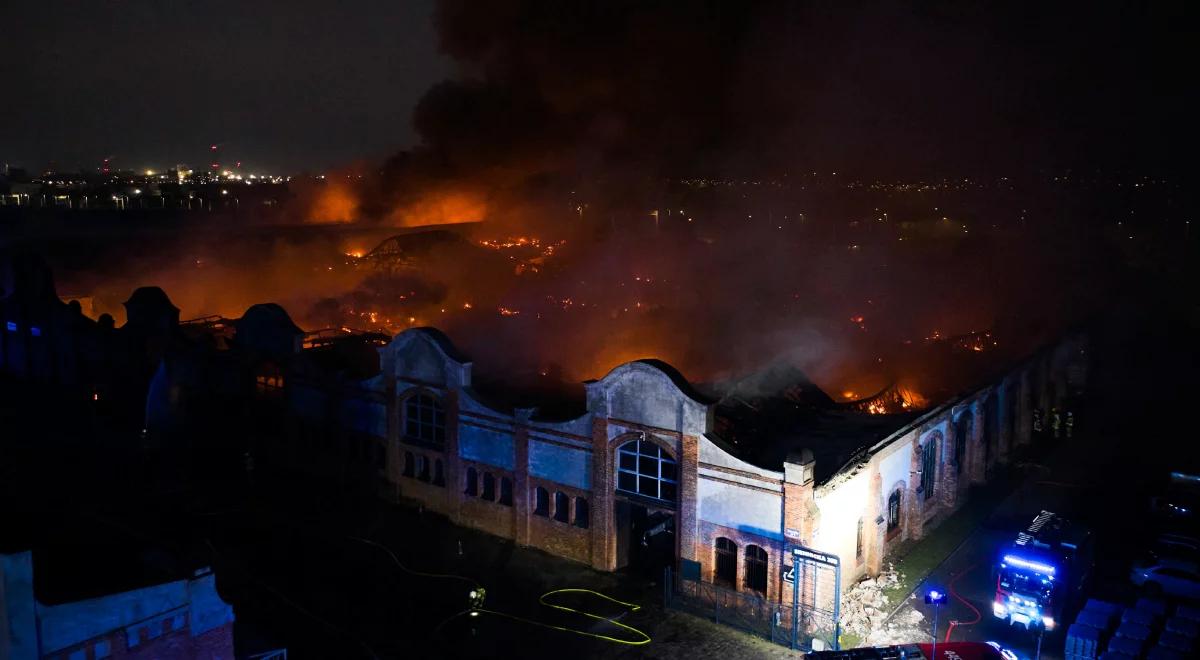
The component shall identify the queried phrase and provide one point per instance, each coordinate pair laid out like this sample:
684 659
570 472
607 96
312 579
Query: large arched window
489 487
756 569
929 465
725 571
424 421
962 428
643 468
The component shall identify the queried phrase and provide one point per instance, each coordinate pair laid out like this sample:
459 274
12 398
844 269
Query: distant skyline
282 86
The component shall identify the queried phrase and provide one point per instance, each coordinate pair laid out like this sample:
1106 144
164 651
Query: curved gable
645 393
426 356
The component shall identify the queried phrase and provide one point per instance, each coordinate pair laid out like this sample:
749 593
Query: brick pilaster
395 457
875 524
686 519
976 468
521 495
914 504
1024 410
454 470
604 539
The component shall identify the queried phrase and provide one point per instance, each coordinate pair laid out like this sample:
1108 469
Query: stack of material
1092 627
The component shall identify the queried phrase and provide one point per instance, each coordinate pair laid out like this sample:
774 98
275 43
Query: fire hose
964 601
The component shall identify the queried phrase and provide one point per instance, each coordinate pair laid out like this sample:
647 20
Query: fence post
795 601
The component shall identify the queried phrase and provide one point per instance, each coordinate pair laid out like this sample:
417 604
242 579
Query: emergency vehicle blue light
1031 565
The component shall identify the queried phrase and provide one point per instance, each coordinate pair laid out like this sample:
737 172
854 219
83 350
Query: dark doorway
645 538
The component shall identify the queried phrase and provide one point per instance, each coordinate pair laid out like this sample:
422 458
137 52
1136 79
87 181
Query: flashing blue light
935 597
1031 565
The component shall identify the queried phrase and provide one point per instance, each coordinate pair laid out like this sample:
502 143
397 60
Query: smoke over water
689 181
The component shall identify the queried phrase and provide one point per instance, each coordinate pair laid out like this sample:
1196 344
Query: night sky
283 85
945 88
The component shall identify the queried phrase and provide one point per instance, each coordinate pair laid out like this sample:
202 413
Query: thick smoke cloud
605 124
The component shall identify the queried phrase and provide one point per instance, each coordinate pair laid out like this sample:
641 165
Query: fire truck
1042 571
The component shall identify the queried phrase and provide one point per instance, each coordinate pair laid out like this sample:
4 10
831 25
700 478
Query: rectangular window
506 491
858 549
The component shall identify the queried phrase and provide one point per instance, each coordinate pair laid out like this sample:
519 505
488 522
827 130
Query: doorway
645 538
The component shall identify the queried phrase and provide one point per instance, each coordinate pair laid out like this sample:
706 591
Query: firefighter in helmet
1070 423
1055 422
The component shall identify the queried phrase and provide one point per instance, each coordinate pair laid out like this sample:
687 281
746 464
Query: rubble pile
865 608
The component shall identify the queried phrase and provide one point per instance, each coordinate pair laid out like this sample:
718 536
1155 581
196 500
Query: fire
336 202
440 209
505 311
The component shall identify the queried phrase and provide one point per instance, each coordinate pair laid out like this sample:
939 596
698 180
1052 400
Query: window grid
893 521
756 569
424 420
726 562
929 467
643 468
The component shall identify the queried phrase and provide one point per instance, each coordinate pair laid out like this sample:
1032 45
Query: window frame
562 507
541 502
423 421
634 456
582 513
725 559
929 468
894 525
757 576
472 485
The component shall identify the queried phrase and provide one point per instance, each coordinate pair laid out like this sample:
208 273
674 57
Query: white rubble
865 607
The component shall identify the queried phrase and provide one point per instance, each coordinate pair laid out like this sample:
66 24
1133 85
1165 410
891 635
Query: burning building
637 468
641 468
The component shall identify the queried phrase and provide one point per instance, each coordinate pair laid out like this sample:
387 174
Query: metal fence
815 618
684 590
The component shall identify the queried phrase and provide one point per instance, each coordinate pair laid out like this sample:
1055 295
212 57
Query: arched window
581 513
423 468
439 473
726 563
424 421
489 487
893 511
929 466
541 501
962 429
756 569
506 491
472 478
410 464
562 506
643 468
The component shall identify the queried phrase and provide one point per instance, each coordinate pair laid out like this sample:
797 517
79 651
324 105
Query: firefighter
1070 423
1037 422
1055 422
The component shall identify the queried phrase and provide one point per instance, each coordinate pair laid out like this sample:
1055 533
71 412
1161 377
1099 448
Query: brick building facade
643 458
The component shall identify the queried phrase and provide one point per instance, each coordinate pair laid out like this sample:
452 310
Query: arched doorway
646 495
